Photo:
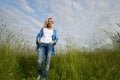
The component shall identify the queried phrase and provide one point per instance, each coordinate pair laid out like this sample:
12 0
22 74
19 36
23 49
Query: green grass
18 62
76 65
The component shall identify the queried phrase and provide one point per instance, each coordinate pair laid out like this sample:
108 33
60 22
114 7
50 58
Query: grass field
18 62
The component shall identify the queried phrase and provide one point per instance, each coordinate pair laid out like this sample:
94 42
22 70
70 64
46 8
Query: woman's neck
49 28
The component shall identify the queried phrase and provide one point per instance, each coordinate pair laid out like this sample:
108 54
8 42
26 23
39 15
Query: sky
81 21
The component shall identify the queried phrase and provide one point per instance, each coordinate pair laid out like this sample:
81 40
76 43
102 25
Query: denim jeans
44 56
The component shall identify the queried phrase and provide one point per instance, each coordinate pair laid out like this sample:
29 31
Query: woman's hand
39 42
52 42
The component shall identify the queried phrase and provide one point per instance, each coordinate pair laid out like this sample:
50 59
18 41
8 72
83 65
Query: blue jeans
44 56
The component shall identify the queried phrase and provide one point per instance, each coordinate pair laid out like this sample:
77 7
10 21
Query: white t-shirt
47 35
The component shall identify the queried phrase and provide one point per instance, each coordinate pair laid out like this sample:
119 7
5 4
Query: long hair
46 22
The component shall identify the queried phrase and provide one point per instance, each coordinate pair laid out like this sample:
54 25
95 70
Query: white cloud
25 6
42 5
36 22
20 22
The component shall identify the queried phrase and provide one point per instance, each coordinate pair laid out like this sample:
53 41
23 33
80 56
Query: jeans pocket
42 44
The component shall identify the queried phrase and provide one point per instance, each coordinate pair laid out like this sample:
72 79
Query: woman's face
50 22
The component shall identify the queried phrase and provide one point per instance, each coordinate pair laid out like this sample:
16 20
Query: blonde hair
46 22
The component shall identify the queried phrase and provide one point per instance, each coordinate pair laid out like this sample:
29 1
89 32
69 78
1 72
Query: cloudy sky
80 20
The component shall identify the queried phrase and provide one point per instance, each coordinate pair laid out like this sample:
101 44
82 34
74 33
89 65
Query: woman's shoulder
54 29
41 29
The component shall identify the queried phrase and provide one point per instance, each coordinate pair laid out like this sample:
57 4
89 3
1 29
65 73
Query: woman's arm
39 36
55 37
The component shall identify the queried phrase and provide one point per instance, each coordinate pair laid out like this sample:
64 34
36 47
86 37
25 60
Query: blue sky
80 20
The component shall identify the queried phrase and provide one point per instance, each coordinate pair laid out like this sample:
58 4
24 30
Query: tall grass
18 62
94 65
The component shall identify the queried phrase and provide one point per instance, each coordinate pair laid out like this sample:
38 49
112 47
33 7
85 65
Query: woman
45 40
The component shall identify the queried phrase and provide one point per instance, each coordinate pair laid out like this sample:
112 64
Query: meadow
18 62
